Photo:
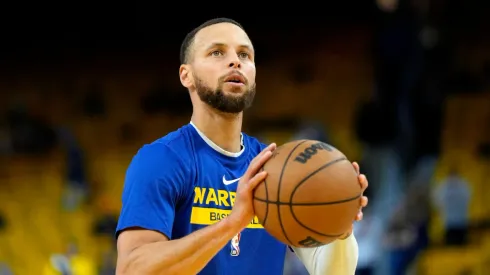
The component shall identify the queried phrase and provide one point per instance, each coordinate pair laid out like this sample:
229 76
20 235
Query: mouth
235 79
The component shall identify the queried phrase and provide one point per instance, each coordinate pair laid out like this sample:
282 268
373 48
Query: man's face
223 68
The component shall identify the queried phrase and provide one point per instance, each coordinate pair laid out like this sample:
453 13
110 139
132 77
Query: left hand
364 200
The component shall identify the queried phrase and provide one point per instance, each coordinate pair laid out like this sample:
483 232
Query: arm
155 181
148 252
339 257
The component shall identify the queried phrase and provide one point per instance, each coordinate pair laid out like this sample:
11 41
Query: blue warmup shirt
183 182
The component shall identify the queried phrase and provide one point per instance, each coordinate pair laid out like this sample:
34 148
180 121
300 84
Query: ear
186 76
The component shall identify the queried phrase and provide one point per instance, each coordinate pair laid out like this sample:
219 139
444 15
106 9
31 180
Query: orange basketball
311 194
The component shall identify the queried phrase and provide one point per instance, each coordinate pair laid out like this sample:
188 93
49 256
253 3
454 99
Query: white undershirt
217 148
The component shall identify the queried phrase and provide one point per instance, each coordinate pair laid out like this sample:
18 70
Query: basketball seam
308 203
267 199
279 189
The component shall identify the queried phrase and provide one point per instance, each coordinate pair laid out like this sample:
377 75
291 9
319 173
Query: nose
235 62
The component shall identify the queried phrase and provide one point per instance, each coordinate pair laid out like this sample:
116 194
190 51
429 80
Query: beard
226 103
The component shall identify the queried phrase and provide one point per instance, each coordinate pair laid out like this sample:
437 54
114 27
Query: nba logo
235 242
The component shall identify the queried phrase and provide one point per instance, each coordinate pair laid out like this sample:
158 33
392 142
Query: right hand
243 209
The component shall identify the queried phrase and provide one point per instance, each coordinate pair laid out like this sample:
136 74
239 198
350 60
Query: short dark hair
189 38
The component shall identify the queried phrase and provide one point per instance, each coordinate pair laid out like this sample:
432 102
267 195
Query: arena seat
451 261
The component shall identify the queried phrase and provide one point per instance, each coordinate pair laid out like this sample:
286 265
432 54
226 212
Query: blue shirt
183 182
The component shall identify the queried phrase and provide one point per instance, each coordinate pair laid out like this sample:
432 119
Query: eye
243 55
216 53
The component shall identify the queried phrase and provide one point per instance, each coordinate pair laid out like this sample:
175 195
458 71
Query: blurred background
402 86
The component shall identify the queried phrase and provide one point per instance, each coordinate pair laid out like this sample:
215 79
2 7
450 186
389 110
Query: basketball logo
235 245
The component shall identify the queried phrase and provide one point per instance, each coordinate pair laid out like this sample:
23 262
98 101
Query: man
182 211
453 198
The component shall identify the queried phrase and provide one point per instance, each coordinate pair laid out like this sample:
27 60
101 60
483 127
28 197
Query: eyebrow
217 45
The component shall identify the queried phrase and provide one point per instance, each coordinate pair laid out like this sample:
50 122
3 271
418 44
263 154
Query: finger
363 181
258 178
255 166
356 167
359 216
269 148
364 201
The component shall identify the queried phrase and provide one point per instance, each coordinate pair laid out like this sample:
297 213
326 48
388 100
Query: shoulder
168 155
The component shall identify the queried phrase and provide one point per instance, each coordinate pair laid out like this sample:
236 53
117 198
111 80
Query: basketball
311 195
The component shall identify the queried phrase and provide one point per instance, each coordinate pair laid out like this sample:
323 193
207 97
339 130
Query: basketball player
187 204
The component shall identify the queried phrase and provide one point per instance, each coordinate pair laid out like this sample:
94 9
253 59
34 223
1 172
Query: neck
221 128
